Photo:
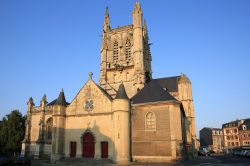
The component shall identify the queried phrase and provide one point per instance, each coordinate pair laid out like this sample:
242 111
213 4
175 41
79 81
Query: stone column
40 141
26 140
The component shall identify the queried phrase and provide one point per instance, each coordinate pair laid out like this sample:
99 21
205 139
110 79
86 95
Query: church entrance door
88 146
104 148
72 149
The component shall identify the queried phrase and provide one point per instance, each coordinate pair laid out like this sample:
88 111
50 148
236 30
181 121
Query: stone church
127 116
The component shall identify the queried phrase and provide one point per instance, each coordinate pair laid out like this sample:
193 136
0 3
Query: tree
12 130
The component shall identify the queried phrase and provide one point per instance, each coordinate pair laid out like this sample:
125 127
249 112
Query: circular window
89 105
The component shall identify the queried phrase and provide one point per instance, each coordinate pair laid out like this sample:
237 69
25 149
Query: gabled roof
152 92
90 81
171 83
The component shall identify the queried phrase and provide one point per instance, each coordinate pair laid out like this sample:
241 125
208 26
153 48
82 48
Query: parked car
203 152
236 152
247 154
22 161
243 153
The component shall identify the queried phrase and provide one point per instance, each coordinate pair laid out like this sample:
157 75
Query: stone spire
43 102
31 102
44 97
137 15
61 99
26 139
138 48
106 24
145 28
137 7
121 94
145 25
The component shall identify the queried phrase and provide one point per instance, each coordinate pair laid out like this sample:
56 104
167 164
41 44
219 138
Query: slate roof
152 92
231 124
171 83
52 103
60 100
211 128
121 94
246 123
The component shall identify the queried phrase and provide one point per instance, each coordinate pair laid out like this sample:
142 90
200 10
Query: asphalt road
218 160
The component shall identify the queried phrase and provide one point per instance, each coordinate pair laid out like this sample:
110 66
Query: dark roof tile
61 99
152 92
171 83
121 94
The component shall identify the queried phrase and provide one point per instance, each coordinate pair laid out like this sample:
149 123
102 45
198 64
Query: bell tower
125 55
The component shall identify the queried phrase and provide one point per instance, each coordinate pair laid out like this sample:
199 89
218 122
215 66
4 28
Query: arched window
49 126
115 51
128 50
150 121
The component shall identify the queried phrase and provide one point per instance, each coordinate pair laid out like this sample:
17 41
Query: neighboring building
231 134
244 133
212 138
129 115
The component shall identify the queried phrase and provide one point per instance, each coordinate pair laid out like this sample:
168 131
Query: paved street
219 160
200 161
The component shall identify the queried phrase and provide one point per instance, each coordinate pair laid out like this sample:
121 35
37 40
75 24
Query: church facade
127 116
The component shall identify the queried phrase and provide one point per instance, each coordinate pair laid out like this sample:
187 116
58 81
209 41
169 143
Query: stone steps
85 161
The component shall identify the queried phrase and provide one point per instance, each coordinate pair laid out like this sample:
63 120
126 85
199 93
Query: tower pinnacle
106 24
137 15
137 7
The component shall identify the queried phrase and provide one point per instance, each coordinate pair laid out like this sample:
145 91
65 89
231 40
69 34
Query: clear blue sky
48 45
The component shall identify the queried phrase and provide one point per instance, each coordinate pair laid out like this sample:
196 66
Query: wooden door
88 146
104 149
72 149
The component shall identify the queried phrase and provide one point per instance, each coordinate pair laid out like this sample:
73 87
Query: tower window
115 51
128 49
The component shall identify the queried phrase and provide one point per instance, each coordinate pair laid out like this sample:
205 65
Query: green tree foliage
12 130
